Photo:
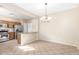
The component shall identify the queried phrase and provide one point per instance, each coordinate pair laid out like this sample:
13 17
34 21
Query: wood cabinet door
11 35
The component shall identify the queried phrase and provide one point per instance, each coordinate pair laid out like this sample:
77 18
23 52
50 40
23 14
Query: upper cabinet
3 25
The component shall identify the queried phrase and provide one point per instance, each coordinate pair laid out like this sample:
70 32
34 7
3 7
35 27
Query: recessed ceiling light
11 14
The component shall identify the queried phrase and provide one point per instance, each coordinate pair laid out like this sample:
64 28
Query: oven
4 36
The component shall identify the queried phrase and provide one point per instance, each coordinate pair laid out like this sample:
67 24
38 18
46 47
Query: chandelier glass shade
45 18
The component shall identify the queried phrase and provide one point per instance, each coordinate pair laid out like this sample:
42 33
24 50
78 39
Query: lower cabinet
11 35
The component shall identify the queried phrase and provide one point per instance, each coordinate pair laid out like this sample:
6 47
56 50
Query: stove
4 35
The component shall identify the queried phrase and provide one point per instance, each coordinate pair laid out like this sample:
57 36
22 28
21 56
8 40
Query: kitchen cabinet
11 35
10 26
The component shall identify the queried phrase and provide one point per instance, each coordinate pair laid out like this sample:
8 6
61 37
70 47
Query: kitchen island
25 38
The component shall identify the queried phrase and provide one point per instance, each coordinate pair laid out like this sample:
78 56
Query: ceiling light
45 18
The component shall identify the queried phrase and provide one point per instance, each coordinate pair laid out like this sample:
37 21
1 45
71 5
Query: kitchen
22 31
7 30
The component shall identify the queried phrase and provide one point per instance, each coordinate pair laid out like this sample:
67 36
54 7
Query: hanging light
45 18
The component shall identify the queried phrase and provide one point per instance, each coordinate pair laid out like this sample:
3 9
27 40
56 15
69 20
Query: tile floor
37 48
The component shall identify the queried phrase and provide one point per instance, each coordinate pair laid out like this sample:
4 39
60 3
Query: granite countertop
29 33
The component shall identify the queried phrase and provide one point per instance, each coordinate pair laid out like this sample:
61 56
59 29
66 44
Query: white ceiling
39 8
13 11
31 10
7 13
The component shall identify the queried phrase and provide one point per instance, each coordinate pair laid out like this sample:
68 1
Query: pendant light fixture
45 18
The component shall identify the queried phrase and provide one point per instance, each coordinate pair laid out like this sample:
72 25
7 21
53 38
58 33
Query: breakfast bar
25 38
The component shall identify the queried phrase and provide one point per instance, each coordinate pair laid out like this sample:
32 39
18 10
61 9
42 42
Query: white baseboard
62 43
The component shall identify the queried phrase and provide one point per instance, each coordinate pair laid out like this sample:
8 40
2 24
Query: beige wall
35 25
62 28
